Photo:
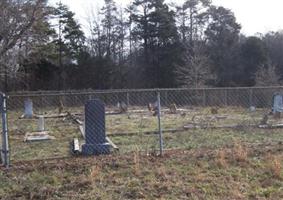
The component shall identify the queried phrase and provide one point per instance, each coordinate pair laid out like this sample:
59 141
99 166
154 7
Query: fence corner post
5 157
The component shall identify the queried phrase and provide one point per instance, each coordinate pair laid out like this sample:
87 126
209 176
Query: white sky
255 16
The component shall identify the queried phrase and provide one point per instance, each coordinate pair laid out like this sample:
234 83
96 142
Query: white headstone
41 127
277 103
28 108
252 109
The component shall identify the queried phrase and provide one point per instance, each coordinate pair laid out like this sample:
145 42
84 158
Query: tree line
148 44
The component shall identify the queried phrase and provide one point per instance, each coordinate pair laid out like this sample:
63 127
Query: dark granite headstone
95 137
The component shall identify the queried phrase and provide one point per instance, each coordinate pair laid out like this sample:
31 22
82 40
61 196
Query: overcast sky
255 16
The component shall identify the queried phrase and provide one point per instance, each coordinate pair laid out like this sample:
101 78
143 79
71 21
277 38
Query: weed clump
274 166
136 162
221 159
94 173
240 153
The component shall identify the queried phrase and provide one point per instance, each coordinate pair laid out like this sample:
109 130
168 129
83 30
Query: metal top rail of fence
245 96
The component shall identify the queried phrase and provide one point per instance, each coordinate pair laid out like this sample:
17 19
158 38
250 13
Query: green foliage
155 27
273 41
254 55
223 35
71 37
192 17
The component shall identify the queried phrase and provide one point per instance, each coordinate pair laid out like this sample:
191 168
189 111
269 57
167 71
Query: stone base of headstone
38 136
96 149
26 116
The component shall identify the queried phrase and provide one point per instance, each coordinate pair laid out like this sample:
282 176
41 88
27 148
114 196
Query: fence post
204 98
226 98
166 98
128 99
251 98
159 125
5 142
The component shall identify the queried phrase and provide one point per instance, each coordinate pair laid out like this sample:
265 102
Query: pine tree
192 18
155 27
222 38
71 38
109 24
70 42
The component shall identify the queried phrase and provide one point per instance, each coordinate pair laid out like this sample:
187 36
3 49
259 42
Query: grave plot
133 125
129 131
41 134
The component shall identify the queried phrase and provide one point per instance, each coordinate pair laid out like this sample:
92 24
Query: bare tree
16 18
267 76
195 71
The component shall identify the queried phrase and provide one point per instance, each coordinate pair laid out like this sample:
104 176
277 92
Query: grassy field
239 171
240 163
135 124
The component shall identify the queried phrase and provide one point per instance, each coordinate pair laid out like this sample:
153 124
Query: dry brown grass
190 174
162 174
221 159
274 165
136 162
240 153
94 173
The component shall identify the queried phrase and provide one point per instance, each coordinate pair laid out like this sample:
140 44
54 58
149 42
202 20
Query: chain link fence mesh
131 121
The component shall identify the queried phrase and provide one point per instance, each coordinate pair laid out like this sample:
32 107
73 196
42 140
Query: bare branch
17 18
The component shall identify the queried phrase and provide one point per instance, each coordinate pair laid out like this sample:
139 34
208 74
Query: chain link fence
131 118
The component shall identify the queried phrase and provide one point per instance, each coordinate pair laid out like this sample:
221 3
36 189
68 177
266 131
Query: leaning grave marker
95 137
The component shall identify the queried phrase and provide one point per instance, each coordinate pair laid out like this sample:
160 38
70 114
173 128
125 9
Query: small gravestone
277 103
41 134
41 123
122 107
252 109
28 108
95 137
173 108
